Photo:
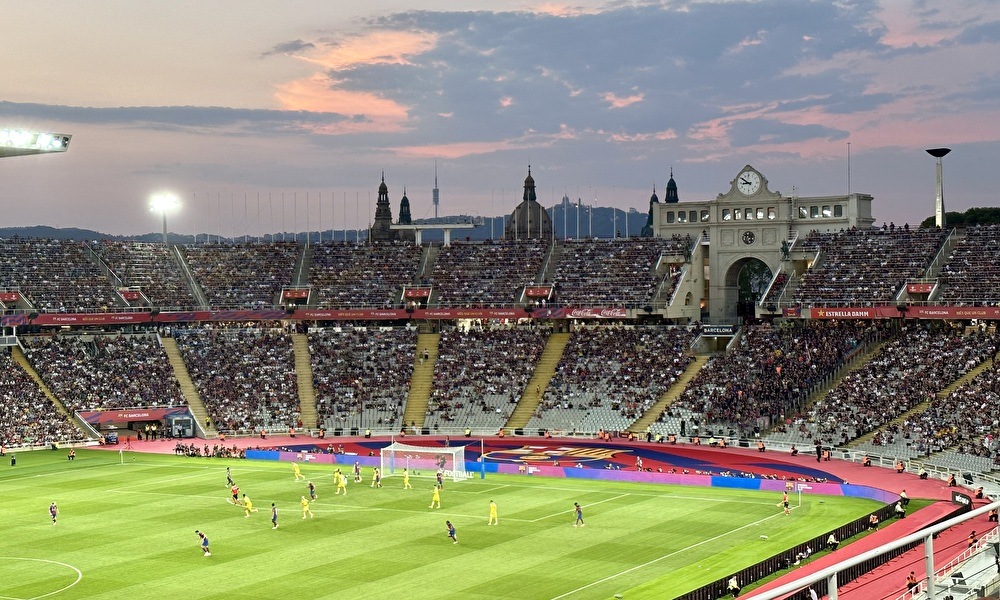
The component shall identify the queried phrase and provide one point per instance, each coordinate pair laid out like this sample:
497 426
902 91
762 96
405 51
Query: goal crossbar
423 461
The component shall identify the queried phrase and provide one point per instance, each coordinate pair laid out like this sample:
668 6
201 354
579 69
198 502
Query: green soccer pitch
128 531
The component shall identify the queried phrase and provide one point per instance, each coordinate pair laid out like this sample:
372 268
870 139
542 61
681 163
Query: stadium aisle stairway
304 377
187 385
668 397
422 379
18 355
539 381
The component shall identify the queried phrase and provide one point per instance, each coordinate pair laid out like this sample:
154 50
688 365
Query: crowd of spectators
27 416
350 276
152 268
361 375
490 273
109 371
481 373
771 370
247 275
622 370
910 368
866 265
55 275
966 420
618 272
972 274
245 376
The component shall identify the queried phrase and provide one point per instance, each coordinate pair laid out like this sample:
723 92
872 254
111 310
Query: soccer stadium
759 396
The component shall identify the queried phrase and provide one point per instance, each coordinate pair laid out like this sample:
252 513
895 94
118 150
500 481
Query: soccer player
451 531
312 492
298 473
236 494
204 543
248 506
341 481
784 502
406 480
578 510
494 519
357 472
305 508
53 512
436 497
274 516
440 478
229 478
376 478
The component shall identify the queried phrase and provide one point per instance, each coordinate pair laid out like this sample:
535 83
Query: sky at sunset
267 116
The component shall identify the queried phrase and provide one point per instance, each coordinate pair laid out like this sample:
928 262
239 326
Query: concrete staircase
187 386
18 355
304 379
539 381
668 397
422 379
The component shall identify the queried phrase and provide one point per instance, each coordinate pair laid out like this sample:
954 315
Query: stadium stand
27 416
618 272
151 268
97 372
362 376
609 375
55 275
247 275
489 273
346 275
972 273
480 374
245 376
865 266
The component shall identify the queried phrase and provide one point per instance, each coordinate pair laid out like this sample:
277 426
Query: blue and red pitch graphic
596 454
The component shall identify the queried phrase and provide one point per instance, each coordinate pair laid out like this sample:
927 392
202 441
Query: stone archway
746 281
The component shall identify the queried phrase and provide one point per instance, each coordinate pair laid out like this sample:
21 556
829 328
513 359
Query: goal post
423 461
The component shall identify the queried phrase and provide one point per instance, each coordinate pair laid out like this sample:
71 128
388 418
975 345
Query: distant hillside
598 222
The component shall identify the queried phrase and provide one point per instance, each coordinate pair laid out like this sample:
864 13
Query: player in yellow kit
436 497
494 519
248 506
305 508
298 473
341 482
406 480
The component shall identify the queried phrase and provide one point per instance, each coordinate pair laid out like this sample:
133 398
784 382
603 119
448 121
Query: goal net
423 461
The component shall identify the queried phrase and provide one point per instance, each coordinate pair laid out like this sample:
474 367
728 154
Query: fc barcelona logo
527 454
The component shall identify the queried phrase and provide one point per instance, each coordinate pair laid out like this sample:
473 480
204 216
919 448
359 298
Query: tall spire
435 193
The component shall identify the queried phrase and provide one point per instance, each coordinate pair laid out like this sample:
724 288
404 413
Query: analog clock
749 237
748 182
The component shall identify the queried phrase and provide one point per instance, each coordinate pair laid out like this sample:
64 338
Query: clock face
748 182
749 237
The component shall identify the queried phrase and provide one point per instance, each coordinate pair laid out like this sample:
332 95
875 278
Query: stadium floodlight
18 142
164 203
939 153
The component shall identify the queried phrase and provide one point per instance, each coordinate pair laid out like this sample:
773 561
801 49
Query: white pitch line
563 512
659 558
79 576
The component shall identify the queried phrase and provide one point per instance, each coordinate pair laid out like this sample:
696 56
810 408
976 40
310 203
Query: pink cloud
616 101
315 94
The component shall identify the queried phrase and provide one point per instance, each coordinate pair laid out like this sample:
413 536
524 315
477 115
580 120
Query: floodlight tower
939 153
17 142
163 203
